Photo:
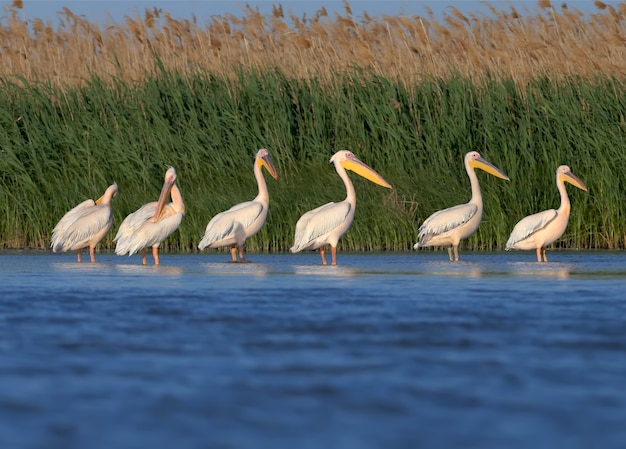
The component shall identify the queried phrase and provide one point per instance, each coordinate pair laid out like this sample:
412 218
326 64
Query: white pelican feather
314 227
445 220
527 226
449 226
244 220
543 228
152 223
326 224
85 225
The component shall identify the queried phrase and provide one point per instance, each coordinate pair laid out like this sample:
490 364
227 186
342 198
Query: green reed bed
58 147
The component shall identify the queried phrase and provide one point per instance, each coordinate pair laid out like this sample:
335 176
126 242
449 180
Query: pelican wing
319 222
135 220
135 237
527 226
70 217
82 231
160 230
445 220
128 236
80 225
231 224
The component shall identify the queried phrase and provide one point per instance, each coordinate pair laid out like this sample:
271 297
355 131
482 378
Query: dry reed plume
555 42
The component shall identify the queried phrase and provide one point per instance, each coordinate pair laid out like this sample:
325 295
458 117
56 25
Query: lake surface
384 351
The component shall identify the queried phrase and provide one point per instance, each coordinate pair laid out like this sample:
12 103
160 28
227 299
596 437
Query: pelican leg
143 257
79 258
92 254
242 254
155 254
450 254
333 253
233 254
545 256
539 254
323 258
456 253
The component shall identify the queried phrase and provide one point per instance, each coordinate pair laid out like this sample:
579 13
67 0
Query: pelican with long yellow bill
543 228
326 224
235 225
448 227
85 225
152 223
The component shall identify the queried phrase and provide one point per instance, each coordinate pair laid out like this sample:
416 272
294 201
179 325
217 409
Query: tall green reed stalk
58 147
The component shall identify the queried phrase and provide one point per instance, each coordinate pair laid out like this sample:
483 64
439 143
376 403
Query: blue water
383 351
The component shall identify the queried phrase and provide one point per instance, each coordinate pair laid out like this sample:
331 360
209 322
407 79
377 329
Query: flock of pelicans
88 223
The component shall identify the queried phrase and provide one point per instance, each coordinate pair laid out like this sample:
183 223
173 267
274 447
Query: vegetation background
84 105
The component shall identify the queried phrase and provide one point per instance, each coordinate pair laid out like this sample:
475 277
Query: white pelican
234 226
85 225
152 223
539 230
326 224
448 227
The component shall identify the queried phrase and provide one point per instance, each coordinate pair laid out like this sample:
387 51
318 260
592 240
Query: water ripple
386 350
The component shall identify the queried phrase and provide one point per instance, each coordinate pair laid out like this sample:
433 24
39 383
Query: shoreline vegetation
83 105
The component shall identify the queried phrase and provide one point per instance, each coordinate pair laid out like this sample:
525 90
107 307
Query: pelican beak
574 180
165 193
487 166
99 200
266 161
362 169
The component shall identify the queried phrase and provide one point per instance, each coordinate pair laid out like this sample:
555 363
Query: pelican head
263 159
564 173
350 162
110 193
170 180
474 160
